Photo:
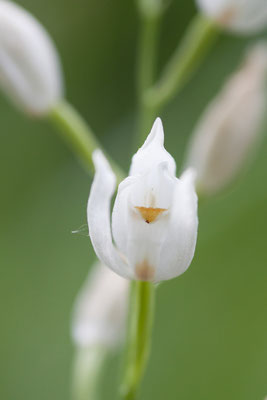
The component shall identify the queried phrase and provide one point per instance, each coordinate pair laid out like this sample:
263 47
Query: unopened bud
230 127
30 72
100 309
241 16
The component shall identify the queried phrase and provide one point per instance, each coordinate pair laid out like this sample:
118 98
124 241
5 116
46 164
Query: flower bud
230 127
30 71
241 16
100 310
154 219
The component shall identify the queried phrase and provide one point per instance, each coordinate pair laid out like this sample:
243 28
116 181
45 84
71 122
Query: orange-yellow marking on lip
149 214
144 271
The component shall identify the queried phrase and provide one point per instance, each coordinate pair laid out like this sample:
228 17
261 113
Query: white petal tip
157 122
102 165
156 134
97 156
189 176
99 160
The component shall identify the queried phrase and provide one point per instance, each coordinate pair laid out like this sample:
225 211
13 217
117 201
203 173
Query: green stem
141 311
146 63
198 39
147 54
78 135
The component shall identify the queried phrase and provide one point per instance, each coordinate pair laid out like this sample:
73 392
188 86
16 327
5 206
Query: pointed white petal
152 152
189 176
98 215
179 244
121 212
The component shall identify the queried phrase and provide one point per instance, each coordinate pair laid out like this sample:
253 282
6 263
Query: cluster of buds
153 229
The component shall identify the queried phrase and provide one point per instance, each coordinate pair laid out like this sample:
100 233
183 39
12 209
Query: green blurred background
210 336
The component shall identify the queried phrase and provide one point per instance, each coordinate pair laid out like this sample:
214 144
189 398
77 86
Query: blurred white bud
241 16
30 71
230 127
99 315
98 326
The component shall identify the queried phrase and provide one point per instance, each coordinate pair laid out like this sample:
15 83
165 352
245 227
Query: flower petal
152 152
159 239
179 244
141 200
98 216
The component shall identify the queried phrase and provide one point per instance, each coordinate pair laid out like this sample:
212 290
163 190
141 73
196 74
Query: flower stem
141 311
78 135
146 66
198 39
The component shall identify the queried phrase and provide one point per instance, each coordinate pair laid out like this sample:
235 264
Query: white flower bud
30 72
241 16
99 314
230 127
154 220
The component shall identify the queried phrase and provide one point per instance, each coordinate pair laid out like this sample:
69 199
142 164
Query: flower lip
150 214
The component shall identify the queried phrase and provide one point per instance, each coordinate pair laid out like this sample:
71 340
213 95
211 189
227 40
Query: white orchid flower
30 72
100 309
154 219
230 127
241 16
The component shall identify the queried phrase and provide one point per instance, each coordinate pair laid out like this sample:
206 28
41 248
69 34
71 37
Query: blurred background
210 336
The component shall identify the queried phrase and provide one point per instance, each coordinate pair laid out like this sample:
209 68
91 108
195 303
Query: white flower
230 127
100 309
30 72
242 16
154 219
